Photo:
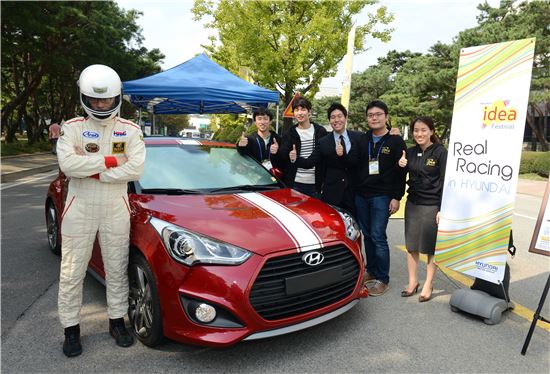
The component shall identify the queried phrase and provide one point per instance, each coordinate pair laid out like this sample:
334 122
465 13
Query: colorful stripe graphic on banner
484 237
483 161
483 67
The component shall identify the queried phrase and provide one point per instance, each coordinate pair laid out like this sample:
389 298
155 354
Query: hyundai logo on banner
313 258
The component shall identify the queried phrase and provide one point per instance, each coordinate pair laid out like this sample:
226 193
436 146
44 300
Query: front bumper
229 289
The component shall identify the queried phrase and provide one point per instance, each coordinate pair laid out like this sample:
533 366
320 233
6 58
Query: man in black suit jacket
332 156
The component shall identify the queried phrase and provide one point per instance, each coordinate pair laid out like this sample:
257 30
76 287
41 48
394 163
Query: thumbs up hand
403 160
339 148
243 141
292 154
274 147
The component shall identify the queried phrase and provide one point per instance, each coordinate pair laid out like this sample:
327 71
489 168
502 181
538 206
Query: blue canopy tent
198 85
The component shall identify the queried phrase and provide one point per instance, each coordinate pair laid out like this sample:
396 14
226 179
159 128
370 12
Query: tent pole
153 127
277 120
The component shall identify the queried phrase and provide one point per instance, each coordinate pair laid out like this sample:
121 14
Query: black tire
144 305
53 228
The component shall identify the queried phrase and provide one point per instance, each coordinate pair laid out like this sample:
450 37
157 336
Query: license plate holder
311 281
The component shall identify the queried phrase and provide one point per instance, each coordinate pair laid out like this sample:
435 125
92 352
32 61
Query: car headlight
190 248
352 229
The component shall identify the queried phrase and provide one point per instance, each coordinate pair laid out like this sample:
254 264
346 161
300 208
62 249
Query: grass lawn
20 147
533 177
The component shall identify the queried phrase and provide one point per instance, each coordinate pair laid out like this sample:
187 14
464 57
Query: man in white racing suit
99 154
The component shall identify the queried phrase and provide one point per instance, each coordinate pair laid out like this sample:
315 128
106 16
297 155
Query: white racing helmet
100 82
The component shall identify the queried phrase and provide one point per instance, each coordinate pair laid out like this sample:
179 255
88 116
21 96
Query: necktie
343 143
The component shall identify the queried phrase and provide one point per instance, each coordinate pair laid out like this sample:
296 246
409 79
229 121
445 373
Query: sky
169 26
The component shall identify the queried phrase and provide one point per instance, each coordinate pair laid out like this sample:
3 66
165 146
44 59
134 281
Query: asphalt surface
381 334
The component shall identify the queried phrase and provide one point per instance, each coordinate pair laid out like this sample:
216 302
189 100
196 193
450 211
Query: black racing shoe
117 329
71 345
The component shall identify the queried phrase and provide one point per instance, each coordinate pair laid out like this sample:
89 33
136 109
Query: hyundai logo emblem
313 258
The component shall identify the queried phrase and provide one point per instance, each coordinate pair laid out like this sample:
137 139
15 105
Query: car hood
261 222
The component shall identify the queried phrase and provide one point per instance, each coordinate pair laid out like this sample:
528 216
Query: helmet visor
101 107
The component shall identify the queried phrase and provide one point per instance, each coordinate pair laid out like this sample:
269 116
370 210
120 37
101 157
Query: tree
375 82
319 108
174 123
424 85
366 86
45 45
514 20
288 45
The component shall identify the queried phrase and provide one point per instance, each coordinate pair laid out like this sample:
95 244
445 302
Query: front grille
269 297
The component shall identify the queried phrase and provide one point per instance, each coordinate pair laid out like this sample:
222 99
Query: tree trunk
541 128
287 122
536 129
21 98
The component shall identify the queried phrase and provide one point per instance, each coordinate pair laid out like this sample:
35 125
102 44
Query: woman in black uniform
425 163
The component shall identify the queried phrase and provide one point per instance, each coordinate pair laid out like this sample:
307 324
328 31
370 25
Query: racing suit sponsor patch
119 133
91 147
119 147
90 134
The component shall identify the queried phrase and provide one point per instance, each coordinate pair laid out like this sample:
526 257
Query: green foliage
377 81
287 45
514 20
231 127
414 84
22 146
174 122
535 162
320 106
542 164
424 85
45 45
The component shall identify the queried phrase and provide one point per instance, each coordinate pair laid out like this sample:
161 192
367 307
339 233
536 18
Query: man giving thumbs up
263 144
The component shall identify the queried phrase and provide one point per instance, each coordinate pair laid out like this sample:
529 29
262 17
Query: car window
200 167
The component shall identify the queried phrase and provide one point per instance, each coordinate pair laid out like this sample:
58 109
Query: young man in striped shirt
299 141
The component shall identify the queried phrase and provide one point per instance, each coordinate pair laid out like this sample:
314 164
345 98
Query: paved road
384 334
28 267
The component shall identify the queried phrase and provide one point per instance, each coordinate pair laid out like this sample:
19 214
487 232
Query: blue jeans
307 189
373 215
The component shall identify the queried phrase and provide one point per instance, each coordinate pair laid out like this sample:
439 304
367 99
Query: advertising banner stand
486 299
489 113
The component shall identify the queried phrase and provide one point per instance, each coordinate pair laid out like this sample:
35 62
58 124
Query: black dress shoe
406 293
71 345
117 329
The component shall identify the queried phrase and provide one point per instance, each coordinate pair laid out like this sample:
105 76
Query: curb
24 155
12 177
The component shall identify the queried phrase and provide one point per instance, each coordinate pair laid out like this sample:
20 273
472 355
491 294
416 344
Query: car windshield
201 169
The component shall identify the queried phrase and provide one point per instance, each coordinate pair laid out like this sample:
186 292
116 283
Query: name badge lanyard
374 167
379 149
260 148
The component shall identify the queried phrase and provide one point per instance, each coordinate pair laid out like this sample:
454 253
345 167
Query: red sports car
222 252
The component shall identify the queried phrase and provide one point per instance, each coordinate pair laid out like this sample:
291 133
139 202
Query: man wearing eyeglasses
379 188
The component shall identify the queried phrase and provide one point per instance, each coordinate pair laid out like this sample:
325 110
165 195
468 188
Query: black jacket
293 138
391 178
336 171
256 146
426 174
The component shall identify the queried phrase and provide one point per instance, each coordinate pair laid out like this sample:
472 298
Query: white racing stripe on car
303 235
189 142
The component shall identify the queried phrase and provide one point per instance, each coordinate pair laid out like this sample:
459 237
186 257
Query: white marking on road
524 216
28 180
